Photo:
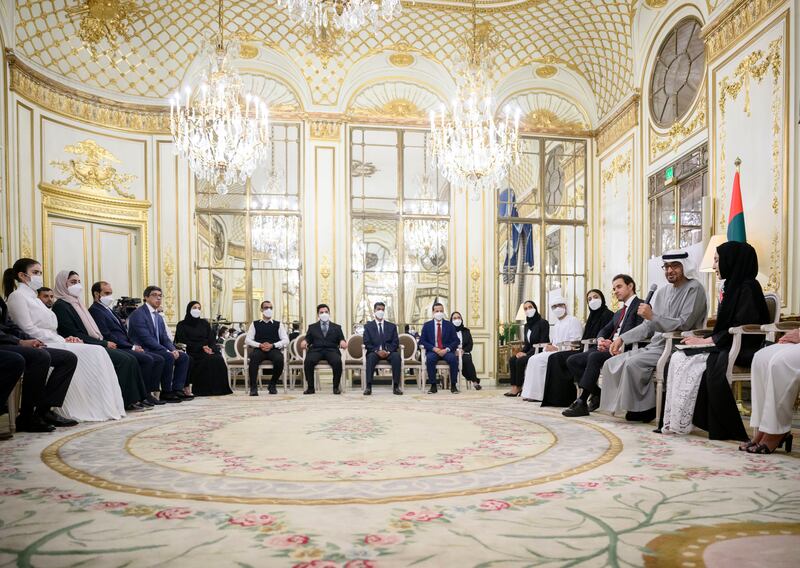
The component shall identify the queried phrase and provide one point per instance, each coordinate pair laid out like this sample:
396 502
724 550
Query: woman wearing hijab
208 374
76 321
465 344
697 387
537 330
94 394
559 386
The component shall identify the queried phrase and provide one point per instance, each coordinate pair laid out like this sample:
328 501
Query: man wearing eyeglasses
679 306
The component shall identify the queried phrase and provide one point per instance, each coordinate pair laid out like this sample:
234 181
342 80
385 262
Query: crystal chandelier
426 241
222 132
277 237
349 15
470 146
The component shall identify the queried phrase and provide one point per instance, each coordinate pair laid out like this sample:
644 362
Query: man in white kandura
679 306
567 328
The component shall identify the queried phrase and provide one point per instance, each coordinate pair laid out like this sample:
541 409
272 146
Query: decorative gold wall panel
618 125
734 23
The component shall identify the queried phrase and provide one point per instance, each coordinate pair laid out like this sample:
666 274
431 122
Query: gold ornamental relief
393 109
547 120
679 132
734 23
107 20
475 275
95 172
325 130
546 71
618 125
169 285
619 165
401 59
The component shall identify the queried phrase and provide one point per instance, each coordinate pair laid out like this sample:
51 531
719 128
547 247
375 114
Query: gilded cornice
92 109
620 123
734 23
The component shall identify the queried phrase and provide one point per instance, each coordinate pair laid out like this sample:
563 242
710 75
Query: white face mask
438 316
107 301
595 303
457 322
195 312
324 317
559 312
530 313
36 282
379 314
267 313
75 290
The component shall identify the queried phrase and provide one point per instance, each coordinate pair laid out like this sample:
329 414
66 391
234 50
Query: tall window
249 238
400 226
541 227
676 202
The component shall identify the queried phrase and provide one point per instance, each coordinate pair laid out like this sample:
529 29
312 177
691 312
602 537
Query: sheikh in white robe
568 328
774 386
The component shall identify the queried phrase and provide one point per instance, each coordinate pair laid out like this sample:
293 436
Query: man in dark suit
440 340
39 393
146 328
586 366
110 326
323 340
381 343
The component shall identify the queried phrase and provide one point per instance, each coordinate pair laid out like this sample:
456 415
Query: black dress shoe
455 390
337 391
154 401
577 408
146 403
183 396
594 402
272 389
54 419
33 423
510 394
309 391
643 416
367 391
134 408
478 386
396 390
170 397
253 393
433 390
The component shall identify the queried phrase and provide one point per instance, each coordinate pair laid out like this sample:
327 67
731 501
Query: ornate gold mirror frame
76 205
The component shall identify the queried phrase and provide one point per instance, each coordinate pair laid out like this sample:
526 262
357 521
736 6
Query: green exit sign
669 175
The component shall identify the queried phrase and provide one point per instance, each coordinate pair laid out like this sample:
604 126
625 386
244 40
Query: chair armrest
781 327
702 332
589 342
672 335
748 329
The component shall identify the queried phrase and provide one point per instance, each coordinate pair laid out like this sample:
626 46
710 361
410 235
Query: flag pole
739 398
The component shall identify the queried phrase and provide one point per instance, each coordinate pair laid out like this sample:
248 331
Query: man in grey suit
381 343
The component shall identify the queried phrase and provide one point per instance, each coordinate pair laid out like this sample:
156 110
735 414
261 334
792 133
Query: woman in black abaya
559 386
208 373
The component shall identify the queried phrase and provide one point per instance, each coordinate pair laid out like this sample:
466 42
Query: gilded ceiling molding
655 3
72 103
546 121
734 23
325 130
619 124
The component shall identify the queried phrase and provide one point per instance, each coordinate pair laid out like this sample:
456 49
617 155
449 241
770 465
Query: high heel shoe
764 449
747 445
787 442
510 394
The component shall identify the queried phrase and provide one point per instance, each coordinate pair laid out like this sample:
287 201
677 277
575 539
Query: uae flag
736 230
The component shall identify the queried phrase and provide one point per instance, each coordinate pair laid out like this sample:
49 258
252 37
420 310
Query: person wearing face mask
585 367
267 338
440 340
698 393
536 331
566 329
559 387
323 340
147 328
208 373
465 344
381 343
223 333
40 393
113 330
76 321
94 393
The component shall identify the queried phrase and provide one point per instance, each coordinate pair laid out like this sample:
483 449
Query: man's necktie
155 324
381 336
439 343
324 328
621 318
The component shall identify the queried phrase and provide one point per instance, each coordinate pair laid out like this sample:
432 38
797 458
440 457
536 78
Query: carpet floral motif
350 429
658 491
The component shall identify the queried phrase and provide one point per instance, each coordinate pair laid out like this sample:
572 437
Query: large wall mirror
249 238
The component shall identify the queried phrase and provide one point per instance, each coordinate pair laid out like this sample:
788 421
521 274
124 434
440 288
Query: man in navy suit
586 366
323 339
146 328
381 343
113 331
440 340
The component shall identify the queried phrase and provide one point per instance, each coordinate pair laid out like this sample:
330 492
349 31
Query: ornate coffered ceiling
586 37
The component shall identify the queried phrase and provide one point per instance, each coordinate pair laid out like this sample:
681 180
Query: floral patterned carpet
470 480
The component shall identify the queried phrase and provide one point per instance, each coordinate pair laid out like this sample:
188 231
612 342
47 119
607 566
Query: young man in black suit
323 340
586 366
381 343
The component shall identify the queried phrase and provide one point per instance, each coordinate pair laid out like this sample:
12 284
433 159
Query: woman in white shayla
566 328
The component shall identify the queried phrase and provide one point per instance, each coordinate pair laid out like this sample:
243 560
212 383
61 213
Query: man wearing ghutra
681 305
